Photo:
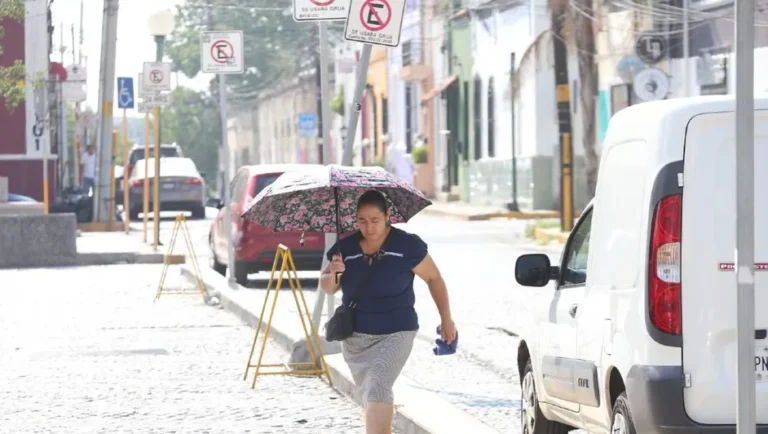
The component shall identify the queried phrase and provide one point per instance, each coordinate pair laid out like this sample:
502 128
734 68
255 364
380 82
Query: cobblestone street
84 350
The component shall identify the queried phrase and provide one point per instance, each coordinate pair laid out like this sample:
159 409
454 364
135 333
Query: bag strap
369 274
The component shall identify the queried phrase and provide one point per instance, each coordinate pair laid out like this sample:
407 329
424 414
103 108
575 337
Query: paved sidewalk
468 211
84 350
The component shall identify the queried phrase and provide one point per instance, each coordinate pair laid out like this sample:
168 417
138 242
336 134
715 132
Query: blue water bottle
441 348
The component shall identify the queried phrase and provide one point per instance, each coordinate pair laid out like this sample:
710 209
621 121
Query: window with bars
477 109
491 119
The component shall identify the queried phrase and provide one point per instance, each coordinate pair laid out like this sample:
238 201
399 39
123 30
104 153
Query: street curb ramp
417 409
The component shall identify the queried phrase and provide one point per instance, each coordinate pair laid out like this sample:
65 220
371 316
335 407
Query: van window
577 253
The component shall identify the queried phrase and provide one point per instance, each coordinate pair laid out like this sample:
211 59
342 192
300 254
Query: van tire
621 409
540 424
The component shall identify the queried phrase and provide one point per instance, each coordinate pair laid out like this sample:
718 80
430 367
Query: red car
254 244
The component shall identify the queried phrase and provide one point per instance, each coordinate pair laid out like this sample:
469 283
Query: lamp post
160 25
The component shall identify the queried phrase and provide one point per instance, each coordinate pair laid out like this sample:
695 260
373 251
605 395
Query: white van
636 333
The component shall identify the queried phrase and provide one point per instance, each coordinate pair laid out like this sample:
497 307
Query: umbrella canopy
324 199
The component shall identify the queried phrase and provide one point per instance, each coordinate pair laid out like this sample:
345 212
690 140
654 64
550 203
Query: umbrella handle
338 276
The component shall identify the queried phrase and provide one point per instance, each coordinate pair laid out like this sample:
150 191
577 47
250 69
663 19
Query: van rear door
708 281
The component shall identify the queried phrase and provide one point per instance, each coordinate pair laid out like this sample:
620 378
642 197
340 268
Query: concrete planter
424 179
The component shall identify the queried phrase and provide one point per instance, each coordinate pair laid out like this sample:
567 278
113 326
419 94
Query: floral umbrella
324 199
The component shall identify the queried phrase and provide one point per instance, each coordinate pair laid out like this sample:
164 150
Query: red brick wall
12 124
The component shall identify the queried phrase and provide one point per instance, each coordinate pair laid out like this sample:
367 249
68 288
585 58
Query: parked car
13 197
255 245
635 326
137 153
181 187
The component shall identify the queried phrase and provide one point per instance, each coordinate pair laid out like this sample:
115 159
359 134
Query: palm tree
575 19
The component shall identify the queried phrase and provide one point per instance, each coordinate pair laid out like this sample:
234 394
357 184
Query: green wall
461 65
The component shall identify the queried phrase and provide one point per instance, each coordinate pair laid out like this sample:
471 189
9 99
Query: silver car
182 187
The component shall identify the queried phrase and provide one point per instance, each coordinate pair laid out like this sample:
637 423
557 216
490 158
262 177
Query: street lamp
160 25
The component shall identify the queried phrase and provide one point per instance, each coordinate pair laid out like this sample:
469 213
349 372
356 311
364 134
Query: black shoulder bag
342 323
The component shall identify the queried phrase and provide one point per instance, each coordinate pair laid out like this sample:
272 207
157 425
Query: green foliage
419 154
11 77
337 102
192 121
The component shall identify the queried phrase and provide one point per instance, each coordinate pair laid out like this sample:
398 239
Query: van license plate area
761 363
168 186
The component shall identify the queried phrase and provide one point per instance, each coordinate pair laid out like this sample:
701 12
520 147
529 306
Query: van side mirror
535 270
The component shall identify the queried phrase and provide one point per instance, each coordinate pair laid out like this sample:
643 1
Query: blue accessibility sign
125 92
307 125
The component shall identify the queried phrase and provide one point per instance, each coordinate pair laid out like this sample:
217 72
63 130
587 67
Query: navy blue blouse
387 302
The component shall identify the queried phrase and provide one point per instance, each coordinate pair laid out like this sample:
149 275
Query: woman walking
379 263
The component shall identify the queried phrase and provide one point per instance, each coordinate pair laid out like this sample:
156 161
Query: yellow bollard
112 182
283 268
126 196
145 209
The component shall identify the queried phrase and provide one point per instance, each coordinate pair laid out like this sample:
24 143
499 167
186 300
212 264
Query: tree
576 20
11 76
192 121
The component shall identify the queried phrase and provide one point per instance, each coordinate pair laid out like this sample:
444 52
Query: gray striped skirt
376 362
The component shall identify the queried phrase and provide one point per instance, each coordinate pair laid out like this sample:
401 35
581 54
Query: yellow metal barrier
287 266
171 259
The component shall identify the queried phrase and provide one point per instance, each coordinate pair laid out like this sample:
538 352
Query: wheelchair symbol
126 96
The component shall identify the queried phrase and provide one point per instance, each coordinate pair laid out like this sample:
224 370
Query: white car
636 326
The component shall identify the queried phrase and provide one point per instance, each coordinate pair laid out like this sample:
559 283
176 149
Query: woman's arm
428 272
328 281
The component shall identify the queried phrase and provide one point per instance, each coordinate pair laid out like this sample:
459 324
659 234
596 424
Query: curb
513 215
89 259
543 234
417 410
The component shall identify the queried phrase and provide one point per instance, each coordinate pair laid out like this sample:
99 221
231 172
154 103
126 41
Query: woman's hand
337 264
448 331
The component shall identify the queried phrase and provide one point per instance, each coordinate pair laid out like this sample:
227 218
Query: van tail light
664 272
193 181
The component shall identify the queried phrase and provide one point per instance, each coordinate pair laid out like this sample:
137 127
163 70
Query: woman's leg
378 417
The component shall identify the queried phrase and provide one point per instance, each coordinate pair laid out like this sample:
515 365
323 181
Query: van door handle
573 309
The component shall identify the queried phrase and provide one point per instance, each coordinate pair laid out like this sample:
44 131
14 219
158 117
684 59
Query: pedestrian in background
399 162
88 167
379 263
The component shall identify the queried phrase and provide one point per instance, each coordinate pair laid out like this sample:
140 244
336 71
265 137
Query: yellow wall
377 77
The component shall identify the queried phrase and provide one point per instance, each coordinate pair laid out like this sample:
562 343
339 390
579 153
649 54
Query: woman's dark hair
373 198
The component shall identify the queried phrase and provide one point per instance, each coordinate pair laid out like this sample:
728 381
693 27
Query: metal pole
362 75
107 86
225 154
145 192
112 199
513 206
46 146
745 216
563 95
126 196
325 113
686 49
156 183
159 42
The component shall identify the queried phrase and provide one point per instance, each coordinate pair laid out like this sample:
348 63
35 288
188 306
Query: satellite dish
628 67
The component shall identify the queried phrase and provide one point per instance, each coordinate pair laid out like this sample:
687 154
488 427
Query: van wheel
621 420
533 422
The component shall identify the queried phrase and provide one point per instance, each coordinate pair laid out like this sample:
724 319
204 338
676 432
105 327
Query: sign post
222 53
125 101
156 77
745 217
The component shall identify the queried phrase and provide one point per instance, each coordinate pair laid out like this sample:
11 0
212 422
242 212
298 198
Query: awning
437 90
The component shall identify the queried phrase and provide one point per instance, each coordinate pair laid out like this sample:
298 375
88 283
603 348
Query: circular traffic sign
322 3
651 48
651 84
222 51
156 76
371 15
